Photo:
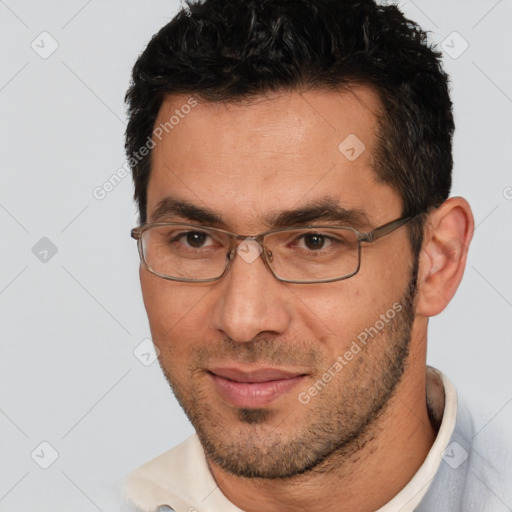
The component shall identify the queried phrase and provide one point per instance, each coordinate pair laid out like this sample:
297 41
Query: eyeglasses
301 255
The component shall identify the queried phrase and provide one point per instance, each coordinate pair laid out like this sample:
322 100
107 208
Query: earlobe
443 255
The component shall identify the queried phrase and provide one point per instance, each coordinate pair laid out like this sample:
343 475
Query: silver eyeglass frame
362 237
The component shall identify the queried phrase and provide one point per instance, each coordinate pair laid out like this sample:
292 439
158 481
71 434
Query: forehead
244 159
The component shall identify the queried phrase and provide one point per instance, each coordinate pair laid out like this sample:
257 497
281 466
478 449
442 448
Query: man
292 167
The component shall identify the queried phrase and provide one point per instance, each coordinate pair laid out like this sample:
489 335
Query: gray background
70 321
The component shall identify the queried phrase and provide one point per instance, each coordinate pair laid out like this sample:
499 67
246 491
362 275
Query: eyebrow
325 209
170 207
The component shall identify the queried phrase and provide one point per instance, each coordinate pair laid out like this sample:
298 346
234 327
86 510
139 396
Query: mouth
254 388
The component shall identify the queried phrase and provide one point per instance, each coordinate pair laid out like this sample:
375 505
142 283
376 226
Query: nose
251 301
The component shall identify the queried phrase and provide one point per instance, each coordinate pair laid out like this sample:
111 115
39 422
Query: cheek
327 313
335 313
175 312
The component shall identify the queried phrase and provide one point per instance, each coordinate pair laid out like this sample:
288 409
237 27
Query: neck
362 478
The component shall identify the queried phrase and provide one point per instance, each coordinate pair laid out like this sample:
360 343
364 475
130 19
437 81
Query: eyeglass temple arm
384 230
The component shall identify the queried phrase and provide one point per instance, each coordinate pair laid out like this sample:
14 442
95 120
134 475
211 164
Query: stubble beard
339 421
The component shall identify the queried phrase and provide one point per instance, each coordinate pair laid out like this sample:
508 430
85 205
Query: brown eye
314 241
196 239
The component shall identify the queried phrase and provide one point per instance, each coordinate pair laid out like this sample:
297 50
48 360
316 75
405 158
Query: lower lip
254 394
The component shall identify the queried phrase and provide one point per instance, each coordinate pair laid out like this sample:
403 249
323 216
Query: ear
447 236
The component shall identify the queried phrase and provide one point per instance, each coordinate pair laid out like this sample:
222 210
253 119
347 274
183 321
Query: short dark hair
229 50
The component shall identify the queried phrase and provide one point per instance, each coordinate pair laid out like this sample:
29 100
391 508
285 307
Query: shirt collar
442 409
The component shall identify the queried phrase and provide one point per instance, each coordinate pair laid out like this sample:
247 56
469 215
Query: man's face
247 356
